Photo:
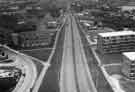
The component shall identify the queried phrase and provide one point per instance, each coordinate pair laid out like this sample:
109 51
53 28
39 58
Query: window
132 66
132 71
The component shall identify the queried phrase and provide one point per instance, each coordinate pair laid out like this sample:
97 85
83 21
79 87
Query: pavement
67 79
75 75
110 65
40 82
28 68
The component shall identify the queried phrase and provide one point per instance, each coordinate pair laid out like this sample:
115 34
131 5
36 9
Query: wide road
75 75
67 79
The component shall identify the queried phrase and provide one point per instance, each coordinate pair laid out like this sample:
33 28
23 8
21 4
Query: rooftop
130 55
119 33
130 4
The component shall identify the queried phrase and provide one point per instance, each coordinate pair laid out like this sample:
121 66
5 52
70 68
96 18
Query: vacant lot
41 54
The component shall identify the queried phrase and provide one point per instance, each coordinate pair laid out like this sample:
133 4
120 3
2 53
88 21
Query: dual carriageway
74 74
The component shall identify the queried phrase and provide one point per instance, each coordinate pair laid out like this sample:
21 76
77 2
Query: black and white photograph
67 45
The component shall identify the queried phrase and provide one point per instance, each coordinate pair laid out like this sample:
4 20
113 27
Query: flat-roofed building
116 42
128 7
128 66
93 34
36 38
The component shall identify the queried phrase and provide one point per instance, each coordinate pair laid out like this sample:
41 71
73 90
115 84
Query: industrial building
116 42
128 66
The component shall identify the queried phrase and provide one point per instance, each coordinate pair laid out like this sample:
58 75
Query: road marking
67 81
40 79
86 83
78 70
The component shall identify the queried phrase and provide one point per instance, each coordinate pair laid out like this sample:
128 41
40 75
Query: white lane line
86 67
83 63
40 79
96 56
55 43
81 76
62 67
108 78
67 81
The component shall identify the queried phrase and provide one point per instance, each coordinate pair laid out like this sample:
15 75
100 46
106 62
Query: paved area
75 75
28 68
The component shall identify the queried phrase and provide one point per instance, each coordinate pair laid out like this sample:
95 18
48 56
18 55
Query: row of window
116 45
115 50
119 37
35 44
132 75
35 39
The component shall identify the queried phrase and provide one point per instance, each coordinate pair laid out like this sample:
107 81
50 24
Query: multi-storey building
36 38
33 39
93 34
128 66
116 42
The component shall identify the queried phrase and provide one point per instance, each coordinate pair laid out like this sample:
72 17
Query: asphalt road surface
28 68
75 75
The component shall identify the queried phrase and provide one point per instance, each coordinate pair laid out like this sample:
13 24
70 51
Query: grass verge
51 80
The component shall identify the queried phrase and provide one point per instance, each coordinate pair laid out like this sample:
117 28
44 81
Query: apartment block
128 66
116 42
33 39
36 38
